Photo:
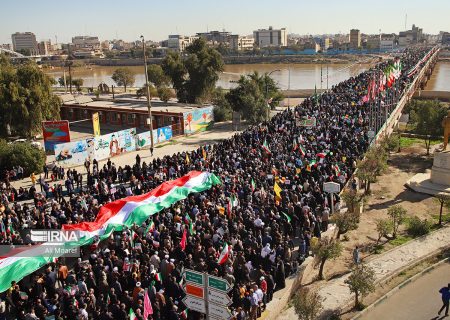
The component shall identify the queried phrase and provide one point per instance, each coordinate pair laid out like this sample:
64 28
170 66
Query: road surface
419 299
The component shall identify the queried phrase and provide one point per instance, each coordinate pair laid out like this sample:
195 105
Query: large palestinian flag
113 216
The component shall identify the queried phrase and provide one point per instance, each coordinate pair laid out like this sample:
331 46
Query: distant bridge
13 53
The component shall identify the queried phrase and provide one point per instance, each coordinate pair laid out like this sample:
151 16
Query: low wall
431 94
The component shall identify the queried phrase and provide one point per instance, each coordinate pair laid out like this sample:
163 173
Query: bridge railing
388 127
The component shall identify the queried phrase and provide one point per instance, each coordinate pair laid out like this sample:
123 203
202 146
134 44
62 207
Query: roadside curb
398 287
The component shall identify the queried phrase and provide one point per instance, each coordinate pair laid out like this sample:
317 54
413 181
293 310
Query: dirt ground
389 190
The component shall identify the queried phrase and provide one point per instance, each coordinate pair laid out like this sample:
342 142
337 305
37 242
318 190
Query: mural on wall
159 135
198 120
55 132
71 153
113 144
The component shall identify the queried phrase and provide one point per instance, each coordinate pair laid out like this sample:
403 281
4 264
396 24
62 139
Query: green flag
287 217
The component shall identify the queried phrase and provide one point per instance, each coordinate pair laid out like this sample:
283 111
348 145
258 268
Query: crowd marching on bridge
242 229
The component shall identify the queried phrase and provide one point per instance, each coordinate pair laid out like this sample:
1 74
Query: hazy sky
155 19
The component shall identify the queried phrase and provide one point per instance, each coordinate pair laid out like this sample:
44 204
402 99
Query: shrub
346 221
397 214
384 227
307 304
30 158
418 227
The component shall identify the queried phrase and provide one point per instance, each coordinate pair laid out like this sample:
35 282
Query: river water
440 79
293 76
302 76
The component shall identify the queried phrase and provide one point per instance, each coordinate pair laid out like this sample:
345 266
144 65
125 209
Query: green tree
427 115
444 200
194 78
345 221
253 95
222 108
78 83
164 93
325 249
156 76
373 164
384 227
361 282
30 158
25 94
123 77
397 214
307 304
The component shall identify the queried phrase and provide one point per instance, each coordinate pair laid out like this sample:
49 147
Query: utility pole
149 104
70 77
327 76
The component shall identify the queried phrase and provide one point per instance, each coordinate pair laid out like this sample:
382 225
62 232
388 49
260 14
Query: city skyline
157 20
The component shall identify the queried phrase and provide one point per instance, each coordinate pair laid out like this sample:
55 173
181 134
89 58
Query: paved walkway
336 294
419 299
219 132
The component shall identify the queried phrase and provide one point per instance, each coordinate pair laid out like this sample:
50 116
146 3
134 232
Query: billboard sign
198 120
55 132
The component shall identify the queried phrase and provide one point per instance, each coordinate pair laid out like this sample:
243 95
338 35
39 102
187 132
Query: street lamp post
267 93
149 104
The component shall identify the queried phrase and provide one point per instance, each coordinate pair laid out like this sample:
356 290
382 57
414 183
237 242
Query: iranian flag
150 228
253 185
234 200
302 150
132 315
184 240
114 216
224 254
266 146
295 145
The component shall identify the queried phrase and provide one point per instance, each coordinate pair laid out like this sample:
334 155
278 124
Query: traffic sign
218 283
194 277
218 297
195 304
194 291
331 187
220 312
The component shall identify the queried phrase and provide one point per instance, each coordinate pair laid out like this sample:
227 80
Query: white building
178 42
238 43
86 43
270 37
387 42
25 41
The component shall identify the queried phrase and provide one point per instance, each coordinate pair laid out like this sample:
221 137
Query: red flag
148 310
183 239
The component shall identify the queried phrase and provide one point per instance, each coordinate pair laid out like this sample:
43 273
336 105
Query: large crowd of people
260 228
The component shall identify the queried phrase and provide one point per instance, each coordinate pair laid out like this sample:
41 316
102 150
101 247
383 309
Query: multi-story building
409 37
215 37
238 43
445 38
45 47
86 43
373 42
270 37
355 38
178 42
387 42
25 41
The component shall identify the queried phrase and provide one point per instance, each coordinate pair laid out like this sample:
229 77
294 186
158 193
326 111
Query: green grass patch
166 144
402 239
378 248
406 142
445 218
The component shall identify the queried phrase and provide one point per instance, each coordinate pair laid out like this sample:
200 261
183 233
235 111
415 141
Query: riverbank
231 60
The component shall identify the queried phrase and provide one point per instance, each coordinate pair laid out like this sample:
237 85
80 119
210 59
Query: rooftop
129 104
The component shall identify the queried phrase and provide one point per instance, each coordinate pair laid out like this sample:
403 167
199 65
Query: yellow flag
187 158
298 170
204 153
277 190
